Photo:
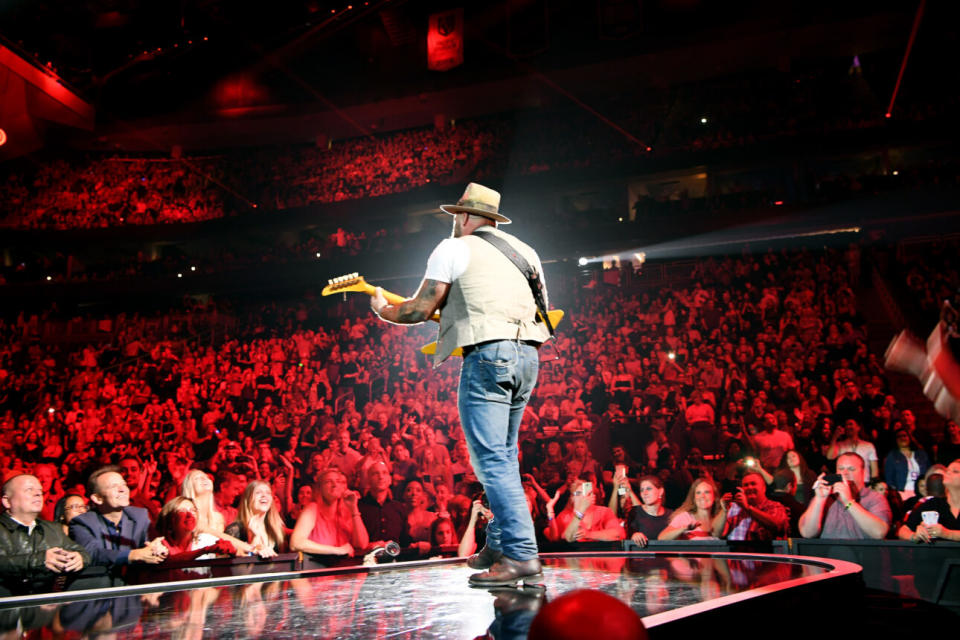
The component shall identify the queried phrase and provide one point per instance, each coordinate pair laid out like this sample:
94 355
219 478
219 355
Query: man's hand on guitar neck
378 302
418 309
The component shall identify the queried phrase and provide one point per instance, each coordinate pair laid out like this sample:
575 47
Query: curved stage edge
674 592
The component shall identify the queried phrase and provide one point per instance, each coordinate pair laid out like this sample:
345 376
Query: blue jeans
496 380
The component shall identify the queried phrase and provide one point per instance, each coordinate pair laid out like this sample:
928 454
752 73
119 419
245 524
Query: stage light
887 114
192 268
703 120
3 137
49 278
582 262
318 254
778 203
179 275
896 173
619 219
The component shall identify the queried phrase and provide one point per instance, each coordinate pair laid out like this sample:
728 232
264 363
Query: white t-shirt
452 257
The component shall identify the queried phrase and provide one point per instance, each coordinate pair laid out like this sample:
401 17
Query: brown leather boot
508 572
484 559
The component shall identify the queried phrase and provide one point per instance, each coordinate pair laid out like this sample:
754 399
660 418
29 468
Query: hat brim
453 209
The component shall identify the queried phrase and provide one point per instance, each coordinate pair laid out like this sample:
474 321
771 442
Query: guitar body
355 283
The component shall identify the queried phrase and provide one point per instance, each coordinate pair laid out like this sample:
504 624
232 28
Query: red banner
445 40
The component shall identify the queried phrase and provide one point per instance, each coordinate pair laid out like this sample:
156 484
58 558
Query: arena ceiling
140 58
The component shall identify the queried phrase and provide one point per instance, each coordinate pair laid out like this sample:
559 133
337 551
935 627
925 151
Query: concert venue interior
747 211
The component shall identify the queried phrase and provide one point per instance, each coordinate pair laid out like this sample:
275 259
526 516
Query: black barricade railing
929 572
216 567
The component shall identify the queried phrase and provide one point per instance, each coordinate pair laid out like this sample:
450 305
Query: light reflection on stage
425 600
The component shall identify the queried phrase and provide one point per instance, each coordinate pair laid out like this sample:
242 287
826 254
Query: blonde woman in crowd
198 487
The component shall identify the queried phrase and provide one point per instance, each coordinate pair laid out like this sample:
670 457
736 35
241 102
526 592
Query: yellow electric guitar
355 282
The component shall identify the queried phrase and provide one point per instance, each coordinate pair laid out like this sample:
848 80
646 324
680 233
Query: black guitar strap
533 278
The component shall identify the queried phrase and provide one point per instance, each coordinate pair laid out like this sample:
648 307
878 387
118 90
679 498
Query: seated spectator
304 499
383 517
770 442
584 458
443 538
701 516
930 484
198 487
177 524
751 516
949 449
905 464
846 509
579 424
921 527
619 456
46 473
783 490
647 519
582 520
113 532
419 519
69 507
803 477
852 443
332 525
468 541
258 521
35 554
138 481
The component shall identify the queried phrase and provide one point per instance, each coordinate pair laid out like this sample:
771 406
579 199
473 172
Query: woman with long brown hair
258 521
702 515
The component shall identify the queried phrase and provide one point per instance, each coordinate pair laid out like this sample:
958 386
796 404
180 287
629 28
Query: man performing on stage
489 310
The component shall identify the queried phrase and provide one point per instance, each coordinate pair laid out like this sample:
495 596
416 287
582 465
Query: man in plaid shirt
752 516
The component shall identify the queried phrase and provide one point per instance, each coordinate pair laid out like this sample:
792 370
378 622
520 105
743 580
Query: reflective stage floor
671 591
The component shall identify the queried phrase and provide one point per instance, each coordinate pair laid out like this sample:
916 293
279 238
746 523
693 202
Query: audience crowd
94 190
744 405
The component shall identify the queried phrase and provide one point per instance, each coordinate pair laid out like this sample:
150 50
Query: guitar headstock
345 283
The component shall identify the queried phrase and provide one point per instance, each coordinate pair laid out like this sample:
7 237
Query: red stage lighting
3 137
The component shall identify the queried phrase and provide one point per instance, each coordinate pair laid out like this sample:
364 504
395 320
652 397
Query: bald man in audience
35 555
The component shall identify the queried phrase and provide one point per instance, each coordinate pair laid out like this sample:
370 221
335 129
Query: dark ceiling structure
143 65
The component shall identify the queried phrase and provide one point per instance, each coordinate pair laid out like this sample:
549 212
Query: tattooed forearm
417 309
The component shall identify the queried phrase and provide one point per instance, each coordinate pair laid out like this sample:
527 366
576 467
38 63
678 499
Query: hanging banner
445 40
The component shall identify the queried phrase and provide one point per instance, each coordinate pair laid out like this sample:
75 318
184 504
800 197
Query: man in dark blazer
113 532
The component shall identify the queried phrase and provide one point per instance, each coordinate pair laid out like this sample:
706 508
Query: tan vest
490 301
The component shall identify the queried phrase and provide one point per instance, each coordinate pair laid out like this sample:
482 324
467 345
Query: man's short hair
8 484
95 476
783 479
853 454
747 474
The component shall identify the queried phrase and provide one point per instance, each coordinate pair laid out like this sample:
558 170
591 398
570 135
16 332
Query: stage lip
834 569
